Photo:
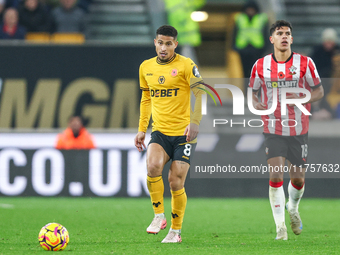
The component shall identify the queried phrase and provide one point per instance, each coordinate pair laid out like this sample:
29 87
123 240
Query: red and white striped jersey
298 71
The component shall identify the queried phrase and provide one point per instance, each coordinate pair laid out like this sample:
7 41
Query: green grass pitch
211 226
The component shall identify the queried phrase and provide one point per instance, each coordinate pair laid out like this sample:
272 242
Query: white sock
178 231
277 202
161 215
295 196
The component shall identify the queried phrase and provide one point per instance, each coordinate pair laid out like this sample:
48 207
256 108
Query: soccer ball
53 237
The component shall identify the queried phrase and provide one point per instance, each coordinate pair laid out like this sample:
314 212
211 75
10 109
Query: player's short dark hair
167 31
278 24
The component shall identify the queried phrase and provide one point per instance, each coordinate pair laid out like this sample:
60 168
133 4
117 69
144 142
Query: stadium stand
69 38
309 19
58 38
125 22
37 37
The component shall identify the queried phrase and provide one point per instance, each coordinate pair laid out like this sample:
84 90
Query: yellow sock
156 190
178 204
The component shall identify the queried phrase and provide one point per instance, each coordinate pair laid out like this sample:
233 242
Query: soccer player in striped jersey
285 135
166 82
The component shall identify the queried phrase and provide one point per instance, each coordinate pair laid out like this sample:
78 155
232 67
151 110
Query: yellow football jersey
166 94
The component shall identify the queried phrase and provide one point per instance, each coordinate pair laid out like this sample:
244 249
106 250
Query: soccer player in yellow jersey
166 82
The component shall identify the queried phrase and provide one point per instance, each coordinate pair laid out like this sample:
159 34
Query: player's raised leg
277 195
156 159
296 187
177 176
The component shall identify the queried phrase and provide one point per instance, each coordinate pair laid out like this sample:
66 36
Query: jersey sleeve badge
196 72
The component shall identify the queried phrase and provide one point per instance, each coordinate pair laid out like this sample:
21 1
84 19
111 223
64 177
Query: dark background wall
46 84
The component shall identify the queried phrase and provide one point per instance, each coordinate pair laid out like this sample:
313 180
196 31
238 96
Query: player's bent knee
154 169
276 179
176 183
174 186
298 181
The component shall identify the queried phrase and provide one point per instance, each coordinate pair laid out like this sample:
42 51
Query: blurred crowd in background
24 16
249 41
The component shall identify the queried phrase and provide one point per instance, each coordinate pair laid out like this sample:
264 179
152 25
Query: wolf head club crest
161 79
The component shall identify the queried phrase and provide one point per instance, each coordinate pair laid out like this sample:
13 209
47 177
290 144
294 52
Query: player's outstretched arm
139 141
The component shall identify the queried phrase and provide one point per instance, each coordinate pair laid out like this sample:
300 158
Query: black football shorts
293 148
175 146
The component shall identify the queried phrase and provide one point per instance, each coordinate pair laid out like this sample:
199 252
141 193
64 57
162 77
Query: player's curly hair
167 31
278 24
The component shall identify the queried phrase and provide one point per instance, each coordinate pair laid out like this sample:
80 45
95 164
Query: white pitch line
7 206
